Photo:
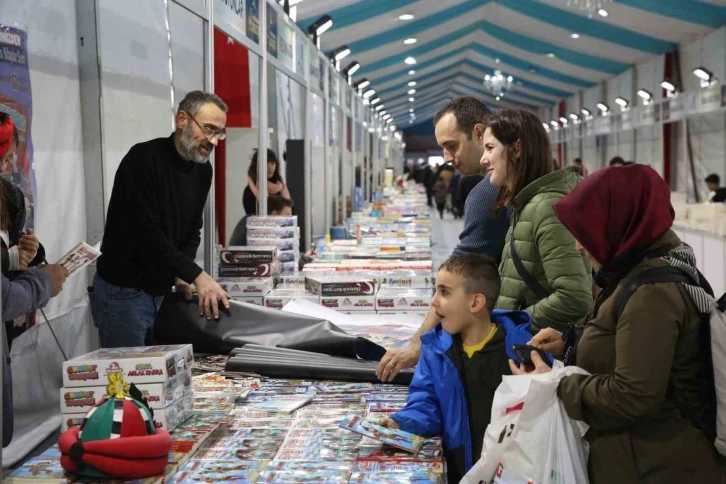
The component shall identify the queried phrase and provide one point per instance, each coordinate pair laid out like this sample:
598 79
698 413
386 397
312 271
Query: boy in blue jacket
462 361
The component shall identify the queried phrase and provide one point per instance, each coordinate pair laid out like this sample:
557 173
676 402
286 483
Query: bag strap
651 276
526 276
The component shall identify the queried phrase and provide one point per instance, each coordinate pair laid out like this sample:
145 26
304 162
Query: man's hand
389 423
210 293
549 340
396 360
183 288
58 274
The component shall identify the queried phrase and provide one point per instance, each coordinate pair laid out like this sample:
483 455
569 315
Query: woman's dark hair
535 159
271 157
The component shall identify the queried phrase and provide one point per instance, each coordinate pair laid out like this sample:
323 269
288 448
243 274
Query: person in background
153 226
645 396
276 205
20 248
717 193
275 183
462 361
617 161
454 185
460 133
542 271
583 169
441 190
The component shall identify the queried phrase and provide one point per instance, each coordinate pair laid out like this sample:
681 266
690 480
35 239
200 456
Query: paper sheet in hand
396 438
79 257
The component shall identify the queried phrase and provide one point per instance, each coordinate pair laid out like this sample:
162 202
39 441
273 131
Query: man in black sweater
153 226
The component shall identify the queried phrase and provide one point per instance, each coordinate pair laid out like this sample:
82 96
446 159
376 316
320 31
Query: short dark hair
194 101
713 178
480 274
578 160
276 203
271 157
468 111
617 160
535 160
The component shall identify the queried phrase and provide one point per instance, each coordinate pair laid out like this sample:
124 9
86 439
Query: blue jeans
123 316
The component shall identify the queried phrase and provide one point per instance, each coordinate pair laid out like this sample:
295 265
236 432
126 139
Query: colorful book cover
396 438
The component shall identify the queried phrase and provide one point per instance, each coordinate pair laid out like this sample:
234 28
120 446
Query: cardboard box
348 285
271 221
282 244
167 418
289 267
279 297
287 281
273 233
349 303
159 395
144 364
258 300
248 256
403 299
248 287
259 270
407 279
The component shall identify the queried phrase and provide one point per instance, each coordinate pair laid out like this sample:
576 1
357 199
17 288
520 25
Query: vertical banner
16 100
253 20
271 30
285 41
301 50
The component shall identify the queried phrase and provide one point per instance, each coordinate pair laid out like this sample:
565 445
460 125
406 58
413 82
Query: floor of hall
444 236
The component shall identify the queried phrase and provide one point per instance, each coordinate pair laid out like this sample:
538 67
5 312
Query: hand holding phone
524 353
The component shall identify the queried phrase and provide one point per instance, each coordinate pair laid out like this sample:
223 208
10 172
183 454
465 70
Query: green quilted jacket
547 250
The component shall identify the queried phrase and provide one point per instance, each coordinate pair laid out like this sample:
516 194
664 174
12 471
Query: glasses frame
207 132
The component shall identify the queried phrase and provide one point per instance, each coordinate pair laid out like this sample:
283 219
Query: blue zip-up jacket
437 402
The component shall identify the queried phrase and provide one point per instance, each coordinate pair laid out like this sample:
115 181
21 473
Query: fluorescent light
342 53
375 101
389 120
379 107
324 27
668 86
585 112
411 91
352 68
563 120
363 84
383 113
574 116
603 13
410 61
510 79
603 107
497 98
550 54
411 99
645 94
487 77
386 116
412 83
405 16
554 123
621 101
410 41
411 72
702 73
368 93
546 126
575 36
410 110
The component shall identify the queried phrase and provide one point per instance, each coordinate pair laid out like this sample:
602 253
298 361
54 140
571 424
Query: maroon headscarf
617 211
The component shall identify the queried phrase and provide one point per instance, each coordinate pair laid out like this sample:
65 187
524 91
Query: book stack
277 231
162 373
345 292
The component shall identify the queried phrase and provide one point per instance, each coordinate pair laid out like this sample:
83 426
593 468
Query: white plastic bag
530 439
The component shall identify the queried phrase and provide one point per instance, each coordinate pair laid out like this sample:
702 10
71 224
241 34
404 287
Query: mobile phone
524 353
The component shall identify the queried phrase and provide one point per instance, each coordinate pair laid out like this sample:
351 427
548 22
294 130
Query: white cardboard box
159 395
279 297
349 303
258 300
395 299
144 364
253 286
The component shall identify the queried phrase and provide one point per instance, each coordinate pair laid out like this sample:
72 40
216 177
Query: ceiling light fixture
602 12
410 110
379 107
405 16
574 117
411 72
411 91
351 68
585 112
645 95
340 53
563 120
411 99
410 41
703 73
363 83
668 86
375 100
603 107
551 55
554 123
622 102
368 93
575 35
389 120
410 61
412 83
319 27
497 84
589 6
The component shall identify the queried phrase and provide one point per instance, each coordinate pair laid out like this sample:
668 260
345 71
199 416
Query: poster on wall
301 47
322 65
231 12
17 101
271 30
285 38
315 72
253 20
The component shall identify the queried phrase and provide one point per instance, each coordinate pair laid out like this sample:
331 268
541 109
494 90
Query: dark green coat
547 250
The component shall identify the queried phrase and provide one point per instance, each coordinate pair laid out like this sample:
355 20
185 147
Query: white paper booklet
79 257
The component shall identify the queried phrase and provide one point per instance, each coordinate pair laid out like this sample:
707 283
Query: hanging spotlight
574 117
703 74
319 27
410 61
340 53
368 93
622 102
603 107
645 95
362 84
411 99
410 110
411 91
375 100
585 112
379 107
412 83
411 72
382 113
546 126
389 120
668 86
351 68
386 116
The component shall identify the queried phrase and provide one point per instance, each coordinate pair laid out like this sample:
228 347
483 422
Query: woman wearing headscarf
647 391
542 272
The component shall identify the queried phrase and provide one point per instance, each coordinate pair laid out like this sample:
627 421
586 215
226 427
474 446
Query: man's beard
189 147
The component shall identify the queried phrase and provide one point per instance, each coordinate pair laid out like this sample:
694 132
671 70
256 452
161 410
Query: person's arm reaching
31 290
398 359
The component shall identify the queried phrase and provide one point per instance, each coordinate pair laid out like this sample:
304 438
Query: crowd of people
565 246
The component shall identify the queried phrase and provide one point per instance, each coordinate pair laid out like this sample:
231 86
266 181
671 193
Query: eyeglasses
209 132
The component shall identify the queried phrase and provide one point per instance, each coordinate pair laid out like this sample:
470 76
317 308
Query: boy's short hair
480 274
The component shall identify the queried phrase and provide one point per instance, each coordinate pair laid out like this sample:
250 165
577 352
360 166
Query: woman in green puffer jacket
550 278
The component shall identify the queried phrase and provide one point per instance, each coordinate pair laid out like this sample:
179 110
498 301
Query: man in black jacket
153 226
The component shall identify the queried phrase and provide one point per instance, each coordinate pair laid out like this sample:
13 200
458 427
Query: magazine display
393 437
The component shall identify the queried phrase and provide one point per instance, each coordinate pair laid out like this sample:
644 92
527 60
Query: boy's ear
478 302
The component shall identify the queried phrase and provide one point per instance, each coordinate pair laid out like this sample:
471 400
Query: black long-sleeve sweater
154 218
